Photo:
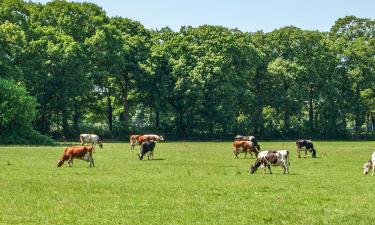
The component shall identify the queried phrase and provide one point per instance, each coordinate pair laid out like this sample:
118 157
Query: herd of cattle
241 144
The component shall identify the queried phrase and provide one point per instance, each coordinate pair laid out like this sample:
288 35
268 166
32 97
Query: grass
187 183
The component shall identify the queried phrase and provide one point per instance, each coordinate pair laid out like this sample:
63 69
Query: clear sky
246 15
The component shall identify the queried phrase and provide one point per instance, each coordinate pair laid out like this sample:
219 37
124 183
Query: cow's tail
287 158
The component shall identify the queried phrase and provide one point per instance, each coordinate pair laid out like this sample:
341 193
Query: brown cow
79 152
139 139
133 140
246 147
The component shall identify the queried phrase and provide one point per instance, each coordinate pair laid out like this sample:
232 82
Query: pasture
186 183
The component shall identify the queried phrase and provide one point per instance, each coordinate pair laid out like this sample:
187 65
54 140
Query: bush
17 112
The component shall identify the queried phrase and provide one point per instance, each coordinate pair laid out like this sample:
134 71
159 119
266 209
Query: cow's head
161 138
253 169
60 163
366 168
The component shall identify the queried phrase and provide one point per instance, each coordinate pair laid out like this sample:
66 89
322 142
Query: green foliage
17 112
89 72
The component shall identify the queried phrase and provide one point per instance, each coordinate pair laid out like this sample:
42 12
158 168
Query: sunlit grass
187 183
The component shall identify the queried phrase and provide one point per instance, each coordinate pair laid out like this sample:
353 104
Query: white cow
274 158
90 138
369 165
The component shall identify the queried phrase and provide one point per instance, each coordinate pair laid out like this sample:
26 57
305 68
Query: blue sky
250 15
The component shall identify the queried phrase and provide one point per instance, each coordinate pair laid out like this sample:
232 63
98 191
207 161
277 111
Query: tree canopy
68 68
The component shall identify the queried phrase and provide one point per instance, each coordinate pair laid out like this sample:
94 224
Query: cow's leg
286 169
305 152
70 162
265 168
235 156
245 154
299 152
269 168
92 162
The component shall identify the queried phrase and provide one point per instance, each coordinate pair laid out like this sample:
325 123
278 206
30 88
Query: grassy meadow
186 183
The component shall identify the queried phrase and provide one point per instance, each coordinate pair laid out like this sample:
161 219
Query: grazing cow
79 152
247 138
133 140
244 146
308 145
147 147
369 165
90 138
274 158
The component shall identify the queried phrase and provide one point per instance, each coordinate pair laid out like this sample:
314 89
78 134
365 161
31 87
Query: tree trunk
109 112
124 95
157 118
76 115
64 118
286 122
357 114
311 114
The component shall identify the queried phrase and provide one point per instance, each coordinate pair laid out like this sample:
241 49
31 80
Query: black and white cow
147 147
90 138
308 145
271 158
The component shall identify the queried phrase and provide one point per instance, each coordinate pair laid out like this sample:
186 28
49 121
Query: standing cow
90 138
247 138
369 165
244 146
147 147
133 140
308 145
139 139
271 158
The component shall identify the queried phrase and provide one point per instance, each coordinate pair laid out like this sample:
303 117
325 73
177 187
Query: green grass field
186 183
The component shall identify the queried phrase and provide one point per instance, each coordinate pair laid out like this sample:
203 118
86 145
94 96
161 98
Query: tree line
67 68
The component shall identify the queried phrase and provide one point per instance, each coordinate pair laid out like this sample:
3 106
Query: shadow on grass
158 159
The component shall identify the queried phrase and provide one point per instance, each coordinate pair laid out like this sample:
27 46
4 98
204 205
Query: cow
145 138
369 165
274 158
244 146
247 138
147 147
90 138
133 140
79 152
308 145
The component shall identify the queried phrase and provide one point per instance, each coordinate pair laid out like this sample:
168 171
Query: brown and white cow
271 158
244 147
370 165
247 138
76 152
139 139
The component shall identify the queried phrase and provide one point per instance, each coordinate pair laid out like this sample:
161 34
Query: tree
354 41
17 112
